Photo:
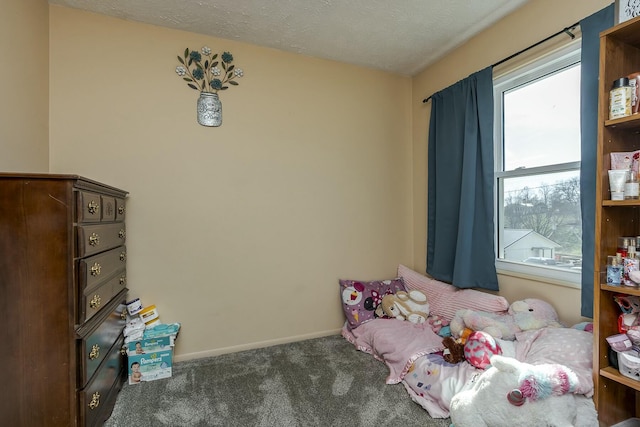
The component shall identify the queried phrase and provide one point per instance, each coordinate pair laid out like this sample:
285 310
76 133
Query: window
537 137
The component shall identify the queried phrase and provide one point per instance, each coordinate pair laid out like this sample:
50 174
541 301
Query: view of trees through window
551 209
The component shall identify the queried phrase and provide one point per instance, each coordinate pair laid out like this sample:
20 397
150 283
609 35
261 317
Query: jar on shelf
623 245
634 82
614 270
620 98
632 187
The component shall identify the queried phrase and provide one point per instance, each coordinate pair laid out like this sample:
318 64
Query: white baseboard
251 346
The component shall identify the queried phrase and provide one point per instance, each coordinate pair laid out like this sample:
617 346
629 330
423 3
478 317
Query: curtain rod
566 30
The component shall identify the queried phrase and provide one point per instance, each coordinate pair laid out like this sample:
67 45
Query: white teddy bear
523 315
512 393
411 306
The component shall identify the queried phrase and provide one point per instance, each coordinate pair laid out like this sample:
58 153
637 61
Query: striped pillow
446 299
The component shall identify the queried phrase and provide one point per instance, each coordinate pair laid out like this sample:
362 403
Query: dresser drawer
108 208
93 239
120 210
94 299
96 269
89 207
95 346
97 399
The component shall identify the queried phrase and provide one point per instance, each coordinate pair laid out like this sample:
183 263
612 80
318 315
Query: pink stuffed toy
437 322
479 348
524 315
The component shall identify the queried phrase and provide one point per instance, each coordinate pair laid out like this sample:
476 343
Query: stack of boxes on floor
149 343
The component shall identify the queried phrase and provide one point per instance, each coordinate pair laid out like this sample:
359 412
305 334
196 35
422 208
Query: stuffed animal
453 350
512 393
438 323
411 306
479 348
464 335
524 315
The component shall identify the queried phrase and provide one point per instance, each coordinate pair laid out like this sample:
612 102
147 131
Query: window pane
542 222
542 121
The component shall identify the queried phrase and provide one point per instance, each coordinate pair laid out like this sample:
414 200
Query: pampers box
149 359
149 344
150 366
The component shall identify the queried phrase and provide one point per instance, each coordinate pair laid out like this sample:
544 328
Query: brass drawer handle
122 234
123 350
123 315
123 280
121 210
95 269
94 239
123 256
95 352
95 301
93 207
95 400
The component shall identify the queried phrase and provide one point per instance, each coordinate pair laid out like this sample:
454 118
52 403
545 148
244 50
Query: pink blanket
395 342
565 346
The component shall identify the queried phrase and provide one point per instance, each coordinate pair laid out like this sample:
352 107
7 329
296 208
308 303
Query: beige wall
239 232
535 21
24 86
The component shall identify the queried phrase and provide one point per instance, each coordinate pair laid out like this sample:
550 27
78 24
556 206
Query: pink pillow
565 346
397 343
446 299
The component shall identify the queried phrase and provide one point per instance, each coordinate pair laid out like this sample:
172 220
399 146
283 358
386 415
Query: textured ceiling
400 36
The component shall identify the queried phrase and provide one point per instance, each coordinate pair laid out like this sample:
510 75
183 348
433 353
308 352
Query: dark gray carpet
318 382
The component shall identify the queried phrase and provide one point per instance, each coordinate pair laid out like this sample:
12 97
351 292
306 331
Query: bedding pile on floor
413 352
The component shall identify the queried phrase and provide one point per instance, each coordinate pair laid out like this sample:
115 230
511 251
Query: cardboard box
150 366
149 345
151 358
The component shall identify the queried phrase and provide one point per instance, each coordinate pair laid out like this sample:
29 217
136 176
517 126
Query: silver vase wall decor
205 73
209 109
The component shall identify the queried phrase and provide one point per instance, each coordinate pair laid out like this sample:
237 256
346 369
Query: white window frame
509 78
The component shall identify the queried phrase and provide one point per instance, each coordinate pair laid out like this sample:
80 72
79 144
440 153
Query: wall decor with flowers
205 73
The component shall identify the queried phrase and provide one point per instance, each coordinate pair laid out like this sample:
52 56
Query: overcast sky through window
542 121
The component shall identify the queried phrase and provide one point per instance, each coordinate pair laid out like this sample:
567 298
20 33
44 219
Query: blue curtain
591 28
460 230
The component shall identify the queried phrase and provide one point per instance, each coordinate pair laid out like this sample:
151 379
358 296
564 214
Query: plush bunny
512 393
411 306
523 315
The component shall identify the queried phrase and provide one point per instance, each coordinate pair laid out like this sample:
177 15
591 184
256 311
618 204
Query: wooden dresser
62 299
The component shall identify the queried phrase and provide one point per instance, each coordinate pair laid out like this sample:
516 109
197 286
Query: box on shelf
629 364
